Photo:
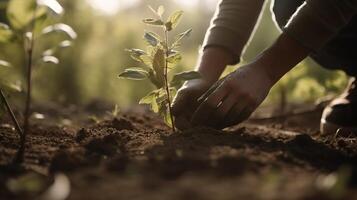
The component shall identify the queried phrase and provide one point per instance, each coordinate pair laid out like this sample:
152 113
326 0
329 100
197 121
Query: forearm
229 32
232 25
281 57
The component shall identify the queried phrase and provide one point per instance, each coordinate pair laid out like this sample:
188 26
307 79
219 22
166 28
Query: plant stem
11 113
27 111
166 81
29 88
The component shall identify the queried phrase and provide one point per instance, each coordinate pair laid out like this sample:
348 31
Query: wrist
212 63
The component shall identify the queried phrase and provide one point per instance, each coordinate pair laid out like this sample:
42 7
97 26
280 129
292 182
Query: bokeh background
88 71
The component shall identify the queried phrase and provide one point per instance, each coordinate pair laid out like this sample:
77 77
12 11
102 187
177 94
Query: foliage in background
85 75
30 21
159 58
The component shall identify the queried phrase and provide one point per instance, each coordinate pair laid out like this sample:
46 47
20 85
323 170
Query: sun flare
188 3
111 7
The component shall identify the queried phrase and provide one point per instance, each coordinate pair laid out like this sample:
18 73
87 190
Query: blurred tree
89 70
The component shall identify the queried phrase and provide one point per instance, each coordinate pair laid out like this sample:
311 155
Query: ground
135 156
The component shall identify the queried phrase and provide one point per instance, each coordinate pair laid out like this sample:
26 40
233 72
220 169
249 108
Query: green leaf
153 22
16 86
167 118
21 13
65 44
140 56
138 69
165 113
174 20
52 5
50 59
136 54
174 59
12 86
150 99
4 63
159 66
154 80
134 74
179 78
147 60
49 52
6 34
152 38
61 28
62 45
163 104
180 37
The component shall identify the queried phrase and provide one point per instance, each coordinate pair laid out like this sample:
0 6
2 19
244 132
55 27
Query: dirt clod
81 135
122 124
108 145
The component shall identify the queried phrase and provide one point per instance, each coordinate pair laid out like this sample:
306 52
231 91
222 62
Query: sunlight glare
188 3
111 7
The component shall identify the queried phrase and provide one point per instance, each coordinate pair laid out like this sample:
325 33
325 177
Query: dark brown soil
135 156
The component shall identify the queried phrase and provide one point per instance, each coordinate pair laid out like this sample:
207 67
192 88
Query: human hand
210 65
185 102
234 98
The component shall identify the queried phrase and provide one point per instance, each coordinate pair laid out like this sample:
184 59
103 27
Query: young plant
25 18
157 61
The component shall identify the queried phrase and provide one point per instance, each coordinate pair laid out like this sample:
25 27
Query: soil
135 156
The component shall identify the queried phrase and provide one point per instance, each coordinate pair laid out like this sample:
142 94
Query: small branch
27 112
29 88
12 115
167 83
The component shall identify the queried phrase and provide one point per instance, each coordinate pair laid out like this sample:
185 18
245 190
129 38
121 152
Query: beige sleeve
233 24
318 21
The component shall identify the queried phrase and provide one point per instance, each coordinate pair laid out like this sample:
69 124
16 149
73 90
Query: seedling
160 57
26 17
115 112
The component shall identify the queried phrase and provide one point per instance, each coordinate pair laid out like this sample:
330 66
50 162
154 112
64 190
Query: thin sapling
160 57
26 17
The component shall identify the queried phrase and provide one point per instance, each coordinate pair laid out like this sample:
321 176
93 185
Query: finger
234 113
210 91
242 116
222 111
208 106
180 102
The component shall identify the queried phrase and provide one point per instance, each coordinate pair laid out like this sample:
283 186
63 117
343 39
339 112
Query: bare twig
27 113
11 113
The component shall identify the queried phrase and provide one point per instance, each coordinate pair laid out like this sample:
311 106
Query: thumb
180 103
